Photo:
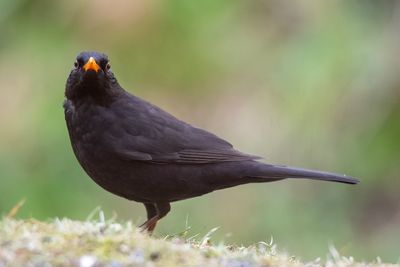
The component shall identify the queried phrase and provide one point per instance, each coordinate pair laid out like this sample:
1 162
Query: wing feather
190 156
152 135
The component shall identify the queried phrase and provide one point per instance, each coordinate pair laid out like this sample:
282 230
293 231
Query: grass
64 242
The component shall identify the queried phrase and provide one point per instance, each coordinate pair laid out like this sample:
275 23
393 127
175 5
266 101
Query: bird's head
91 76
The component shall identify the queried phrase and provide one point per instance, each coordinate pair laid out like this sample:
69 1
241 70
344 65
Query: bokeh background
305 83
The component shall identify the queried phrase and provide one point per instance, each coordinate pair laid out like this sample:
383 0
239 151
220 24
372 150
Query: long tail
281 172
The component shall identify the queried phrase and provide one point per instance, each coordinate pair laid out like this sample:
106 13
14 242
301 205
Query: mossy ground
64 242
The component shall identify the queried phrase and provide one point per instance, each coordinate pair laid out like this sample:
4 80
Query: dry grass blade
13 212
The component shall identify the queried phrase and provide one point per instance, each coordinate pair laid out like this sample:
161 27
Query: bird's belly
166 182
144 182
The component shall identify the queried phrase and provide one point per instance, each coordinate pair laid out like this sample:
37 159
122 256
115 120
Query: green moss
93 243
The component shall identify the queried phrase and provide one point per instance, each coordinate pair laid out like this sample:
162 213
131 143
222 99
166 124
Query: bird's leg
151 210
154 213
151 213
162 209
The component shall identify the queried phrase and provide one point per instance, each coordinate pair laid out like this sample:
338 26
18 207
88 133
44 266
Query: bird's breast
86 126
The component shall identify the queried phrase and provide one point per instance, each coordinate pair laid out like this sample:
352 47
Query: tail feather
277 172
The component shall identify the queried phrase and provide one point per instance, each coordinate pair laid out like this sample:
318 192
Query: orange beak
91 64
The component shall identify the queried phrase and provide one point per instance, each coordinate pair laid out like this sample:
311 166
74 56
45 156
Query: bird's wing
188 156
191 156
152 135
207 156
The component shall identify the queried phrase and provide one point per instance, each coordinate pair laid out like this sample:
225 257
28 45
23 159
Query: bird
140 152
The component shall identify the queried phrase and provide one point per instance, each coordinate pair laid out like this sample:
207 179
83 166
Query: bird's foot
149 225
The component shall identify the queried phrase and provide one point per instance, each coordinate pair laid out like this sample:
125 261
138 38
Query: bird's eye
76 64
108 66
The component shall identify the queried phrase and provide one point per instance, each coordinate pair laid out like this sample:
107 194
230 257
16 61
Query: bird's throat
92 90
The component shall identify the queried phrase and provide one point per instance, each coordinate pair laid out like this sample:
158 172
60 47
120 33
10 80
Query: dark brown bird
136 150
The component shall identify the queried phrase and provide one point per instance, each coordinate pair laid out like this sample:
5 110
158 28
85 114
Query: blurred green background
305 83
